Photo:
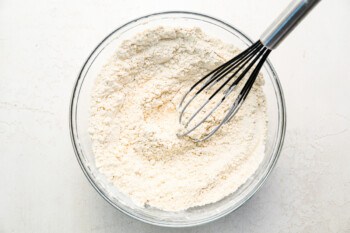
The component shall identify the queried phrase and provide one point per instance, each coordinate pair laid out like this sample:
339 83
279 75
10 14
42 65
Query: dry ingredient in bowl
134 122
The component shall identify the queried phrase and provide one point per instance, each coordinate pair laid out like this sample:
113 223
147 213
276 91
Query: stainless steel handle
286 22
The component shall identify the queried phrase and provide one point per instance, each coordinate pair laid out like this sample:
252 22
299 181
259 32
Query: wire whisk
243 67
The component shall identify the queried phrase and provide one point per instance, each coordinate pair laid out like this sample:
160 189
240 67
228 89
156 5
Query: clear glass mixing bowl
79 119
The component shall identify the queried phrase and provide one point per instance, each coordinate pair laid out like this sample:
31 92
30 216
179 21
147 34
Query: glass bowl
79 121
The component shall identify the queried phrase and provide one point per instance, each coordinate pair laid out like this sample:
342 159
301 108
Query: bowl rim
276 151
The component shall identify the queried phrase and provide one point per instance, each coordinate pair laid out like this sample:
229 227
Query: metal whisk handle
286 22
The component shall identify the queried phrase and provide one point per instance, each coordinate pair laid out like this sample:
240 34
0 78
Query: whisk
245 66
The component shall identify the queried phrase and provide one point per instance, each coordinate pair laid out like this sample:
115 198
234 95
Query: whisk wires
230 74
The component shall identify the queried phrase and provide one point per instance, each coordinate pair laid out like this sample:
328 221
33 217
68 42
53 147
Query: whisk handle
286 22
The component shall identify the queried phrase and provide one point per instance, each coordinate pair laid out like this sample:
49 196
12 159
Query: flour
134 122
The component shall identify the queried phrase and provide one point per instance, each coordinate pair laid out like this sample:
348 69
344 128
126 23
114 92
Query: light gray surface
44 43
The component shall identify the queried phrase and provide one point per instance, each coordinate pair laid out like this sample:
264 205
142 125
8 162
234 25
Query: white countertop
44 43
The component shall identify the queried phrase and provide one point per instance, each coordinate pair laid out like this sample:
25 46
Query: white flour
134 122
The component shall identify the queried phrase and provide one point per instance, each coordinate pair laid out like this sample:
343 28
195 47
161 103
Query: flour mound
134 121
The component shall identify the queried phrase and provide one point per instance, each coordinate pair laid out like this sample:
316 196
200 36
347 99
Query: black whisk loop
235 69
